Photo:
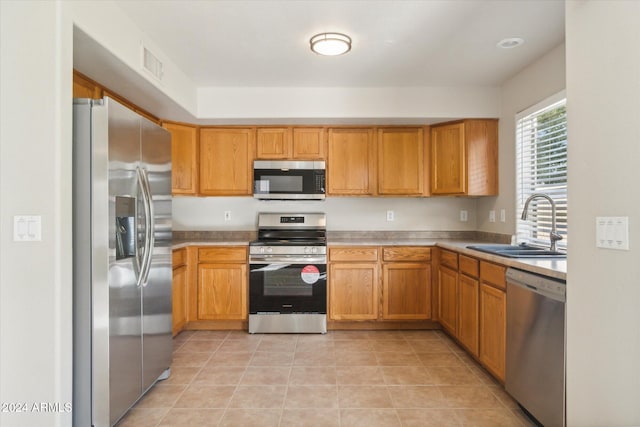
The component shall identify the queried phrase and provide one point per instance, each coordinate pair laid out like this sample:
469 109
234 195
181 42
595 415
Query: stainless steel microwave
288 180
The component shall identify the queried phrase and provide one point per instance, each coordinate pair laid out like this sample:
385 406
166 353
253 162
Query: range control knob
314 250
262 250
307 250
269 249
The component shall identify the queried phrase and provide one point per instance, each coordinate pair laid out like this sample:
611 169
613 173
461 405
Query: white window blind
541 167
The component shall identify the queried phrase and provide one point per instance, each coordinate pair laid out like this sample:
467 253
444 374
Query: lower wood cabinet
406 283
493 318
406 291
472 307
353 291
468 298
179 291
468 303
222 283
448 290
362 287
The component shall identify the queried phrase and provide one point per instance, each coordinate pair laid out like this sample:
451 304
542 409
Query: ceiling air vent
151 63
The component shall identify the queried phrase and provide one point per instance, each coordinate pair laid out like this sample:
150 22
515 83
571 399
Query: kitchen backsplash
343 213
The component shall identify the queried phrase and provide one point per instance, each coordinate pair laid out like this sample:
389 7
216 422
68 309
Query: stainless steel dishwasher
535 374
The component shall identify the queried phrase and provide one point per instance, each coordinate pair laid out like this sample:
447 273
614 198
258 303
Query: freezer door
126 240
157 288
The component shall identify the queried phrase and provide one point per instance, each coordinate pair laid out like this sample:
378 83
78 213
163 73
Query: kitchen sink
519 251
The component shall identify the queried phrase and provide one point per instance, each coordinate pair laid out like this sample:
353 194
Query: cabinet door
468 295
184 158
179 298
273 143
493 328
406 291
448 300
448 159
226 157
351 164
481 137
400 161
353 291
222 291
309 143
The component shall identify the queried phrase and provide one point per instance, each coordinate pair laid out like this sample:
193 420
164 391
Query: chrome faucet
554 234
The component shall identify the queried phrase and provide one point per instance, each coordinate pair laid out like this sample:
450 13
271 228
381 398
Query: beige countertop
556 268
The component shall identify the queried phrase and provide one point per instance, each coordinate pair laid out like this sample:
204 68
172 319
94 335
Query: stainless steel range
288 274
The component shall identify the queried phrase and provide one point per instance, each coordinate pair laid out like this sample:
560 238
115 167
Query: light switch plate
464 216
27 228
612 232
492 216
390 215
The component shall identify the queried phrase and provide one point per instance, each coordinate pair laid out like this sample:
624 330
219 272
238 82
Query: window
541 167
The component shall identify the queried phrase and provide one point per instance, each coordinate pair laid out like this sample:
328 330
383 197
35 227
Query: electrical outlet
503 215
227 215
390 215
492 216
464 216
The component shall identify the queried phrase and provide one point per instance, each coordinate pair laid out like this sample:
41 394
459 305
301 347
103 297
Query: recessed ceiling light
330 44
510 43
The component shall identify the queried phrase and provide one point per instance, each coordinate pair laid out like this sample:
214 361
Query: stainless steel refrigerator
121 259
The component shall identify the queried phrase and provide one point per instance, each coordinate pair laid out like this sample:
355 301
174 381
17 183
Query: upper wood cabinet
464 158
184 158
401 161
309 143
226 161
351 163
297 143
274 143
84 87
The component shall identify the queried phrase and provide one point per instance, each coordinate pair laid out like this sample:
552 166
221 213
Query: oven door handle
282 260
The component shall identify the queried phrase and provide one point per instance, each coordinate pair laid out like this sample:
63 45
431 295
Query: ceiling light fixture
330 44
510 43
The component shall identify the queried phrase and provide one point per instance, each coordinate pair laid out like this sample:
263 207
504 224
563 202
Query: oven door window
288 288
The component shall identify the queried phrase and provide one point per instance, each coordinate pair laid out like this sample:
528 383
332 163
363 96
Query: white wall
603 291
538 81
343 213
35 174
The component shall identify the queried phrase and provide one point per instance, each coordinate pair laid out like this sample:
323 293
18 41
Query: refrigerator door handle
150 226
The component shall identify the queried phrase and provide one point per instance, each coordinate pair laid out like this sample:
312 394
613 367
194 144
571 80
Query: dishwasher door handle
546 286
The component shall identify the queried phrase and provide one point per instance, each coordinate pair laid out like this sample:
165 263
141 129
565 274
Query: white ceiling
395 43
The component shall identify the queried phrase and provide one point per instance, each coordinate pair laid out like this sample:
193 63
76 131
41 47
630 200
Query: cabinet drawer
179 258
448 258
406 253
493 274
353 254
223 254
469 266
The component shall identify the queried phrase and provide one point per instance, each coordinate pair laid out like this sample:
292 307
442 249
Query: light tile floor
341 379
